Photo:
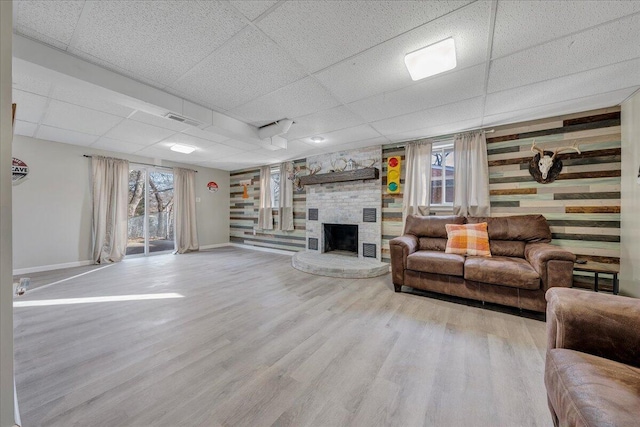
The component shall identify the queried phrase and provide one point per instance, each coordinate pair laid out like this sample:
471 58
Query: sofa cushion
430 226
513 248
507 271
436 262
526 228
587 390
432 244
468 239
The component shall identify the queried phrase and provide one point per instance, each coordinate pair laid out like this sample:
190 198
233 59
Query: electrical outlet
197 199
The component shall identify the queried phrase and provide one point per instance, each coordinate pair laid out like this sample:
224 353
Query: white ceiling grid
336 68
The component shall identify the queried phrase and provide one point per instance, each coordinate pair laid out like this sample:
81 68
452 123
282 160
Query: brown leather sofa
592 371
522 267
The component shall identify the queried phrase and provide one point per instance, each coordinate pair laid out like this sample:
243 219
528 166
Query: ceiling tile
69 116
161 122
116 145
138 133
252 8
162 151
250 159
208 134
522 24
303 97
353 134
437 130
592 82
24 128
218 151
28 83
319 33
181 138
235 73
29 107
382 69
567 107
166 38
85 97
604 45
456 112
246 146
47 20
66 136
323 121
439 90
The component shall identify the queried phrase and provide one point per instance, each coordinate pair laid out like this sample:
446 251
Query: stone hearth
334 265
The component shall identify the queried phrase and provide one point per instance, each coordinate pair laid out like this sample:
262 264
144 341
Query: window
442 168
275 187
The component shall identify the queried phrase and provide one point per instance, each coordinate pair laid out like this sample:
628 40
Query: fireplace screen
341 237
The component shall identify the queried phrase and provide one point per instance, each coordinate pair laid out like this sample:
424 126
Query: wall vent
313 214
369 250
369 215
313 243
182 119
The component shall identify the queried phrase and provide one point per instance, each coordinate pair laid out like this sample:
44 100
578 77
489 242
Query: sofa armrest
552 263
401 247
599 324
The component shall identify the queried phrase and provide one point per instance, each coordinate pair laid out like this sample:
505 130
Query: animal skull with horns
545 167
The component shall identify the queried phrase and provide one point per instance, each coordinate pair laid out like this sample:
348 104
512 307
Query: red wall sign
212 186
19 169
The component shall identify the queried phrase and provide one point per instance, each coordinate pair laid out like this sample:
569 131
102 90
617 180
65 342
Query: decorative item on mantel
545 167
295 173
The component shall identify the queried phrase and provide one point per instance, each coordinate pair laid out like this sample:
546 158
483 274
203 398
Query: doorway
150 210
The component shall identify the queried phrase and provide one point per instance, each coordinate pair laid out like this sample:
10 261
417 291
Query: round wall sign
19 170
212 186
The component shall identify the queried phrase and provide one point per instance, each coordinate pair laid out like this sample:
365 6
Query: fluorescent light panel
431 60
185 149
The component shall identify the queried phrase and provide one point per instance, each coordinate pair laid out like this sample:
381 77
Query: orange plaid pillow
468 239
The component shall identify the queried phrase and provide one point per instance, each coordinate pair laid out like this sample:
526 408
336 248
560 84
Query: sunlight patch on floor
87 300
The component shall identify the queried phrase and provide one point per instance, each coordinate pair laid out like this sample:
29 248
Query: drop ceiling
103 73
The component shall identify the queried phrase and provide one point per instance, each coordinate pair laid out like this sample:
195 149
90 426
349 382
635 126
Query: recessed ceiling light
431 60
317 139
186 149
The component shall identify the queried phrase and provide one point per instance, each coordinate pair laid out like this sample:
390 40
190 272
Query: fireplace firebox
341 237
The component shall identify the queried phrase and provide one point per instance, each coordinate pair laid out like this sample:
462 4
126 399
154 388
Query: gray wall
6 299
52 206
630 198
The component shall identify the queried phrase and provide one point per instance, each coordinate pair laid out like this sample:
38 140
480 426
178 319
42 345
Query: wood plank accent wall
583 204
244 215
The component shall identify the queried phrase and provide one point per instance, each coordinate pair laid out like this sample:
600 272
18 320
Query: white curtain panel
265 211
471 176
110 201
184 205
417 182
285 205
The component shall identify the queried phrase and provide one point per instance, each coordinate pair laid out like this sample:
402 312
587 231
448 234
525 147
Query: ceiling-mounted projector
276 128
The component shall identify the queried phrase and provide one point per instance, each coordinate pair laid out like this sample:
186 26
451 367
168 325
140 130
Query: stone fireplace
341 237
353 203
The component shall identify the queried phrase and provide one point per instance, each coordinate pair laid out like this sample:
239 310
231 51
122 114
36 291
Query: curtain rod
147 164
436 138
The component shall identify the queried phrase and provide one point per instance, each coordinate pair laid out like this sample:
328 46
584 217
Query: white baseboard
19 271
263 249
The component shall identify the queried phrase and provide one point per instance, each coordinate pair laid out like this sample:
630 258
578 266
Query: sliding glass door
150 223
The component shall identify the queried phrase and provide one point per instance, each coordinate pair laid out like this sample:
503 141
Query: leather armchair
592 370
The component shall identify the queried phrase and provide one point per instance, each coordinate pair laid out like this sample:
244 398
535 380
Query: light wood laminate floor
254 342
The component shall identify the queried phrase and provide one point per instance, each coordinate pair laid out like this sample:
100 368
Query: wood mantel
353 175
